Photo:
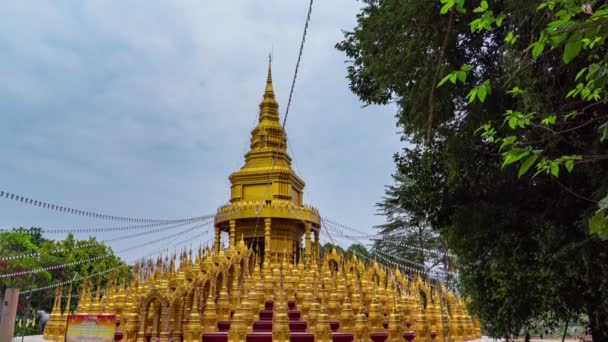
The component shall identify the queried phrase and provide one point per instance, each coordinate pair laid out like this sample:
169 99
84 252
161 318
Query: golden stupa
266 286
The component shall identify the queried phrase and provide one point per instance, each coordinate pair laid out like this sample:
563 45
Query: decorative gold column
317 246
232 234
307 244
267 222
216 240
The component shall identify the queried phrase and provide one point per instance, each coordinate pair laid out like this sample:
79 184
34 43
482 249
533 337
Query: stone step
266 315
296 337
301 337
223 326
266 326
334 325
298 326
342 337
294 315
262 326
258 337
215 337
291 305
294 321
378 336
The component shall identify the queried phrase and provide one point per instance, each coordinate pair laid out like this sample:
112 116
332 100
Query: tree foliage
407 239
524 246
328 247
359 250
50 253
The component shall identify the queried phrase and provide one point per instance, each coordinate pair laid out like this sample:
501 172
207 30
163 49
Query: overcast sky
143 109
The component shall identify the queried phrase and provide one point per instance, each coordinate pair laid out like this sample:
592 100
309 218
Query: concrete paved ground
33 338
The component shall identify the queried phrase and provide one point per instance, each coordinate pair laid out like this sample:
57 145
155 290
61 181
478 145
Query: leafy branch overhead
525 138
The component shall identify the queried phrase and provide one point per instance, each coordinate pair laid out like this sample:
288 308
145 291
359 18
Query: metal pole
26 313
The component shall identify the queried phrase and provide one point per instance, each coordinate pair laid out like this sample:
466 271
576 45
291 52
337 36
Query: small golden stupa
269 285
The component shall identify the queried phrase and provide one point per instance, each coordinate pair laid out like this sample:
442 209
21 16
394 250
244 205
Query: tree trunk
598 323
565 331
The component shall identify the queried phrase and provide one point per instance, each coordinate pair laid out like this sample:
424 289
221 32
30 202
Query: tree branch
438 70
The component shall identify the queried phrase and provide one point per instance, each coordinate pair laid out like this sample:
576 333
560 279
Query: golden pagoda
266 196
269 285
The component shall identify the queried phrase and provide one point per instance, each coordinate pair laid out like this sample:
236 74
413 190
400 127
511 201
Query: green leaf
537 49
466 67
525 166
570 115
549 120
599 225
507 141
472 94
460 6
516 91
541 6
580 73
569 165
453 78
444 79
556 39
554 169
513 122
572 49
462 76
445 8
593 69
499 20
514 155
481 93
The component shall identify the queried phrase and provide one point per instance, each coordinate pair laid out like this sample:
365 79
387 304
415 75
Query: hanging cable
95 243
429 252
295 74
387 260
384 237
20 256
173 244
85 213
79 262
77 279
51 268
115 229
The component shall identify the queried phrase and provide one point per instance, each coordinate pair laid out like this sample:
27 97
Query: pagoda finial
269 92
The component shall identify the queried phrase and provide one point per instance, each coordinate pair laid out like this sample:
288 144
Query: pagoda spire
269 91
269 108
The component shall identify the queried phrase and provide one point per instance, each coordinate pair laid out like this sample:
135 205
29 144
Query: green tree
523 245
35 234
359 250
405 235
51 253
328 247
